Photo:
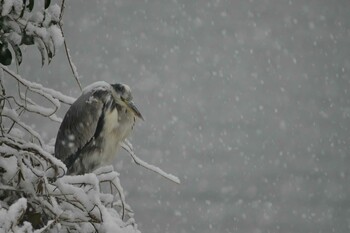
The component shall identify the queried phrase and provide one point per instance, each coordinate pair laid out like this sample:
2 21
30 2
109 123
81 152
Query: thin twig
25 127
62 9
120 196
126 145
71 64
3 92
49 94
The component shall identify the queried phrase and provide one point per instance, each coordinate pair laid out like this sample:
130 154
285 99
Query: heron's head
123 97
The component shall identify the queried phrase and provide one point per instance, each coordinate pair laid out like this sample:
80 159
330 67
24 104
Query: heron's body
94 126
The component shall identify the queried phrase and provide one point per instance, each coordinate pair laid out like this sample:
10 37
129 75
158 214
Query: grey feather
78 127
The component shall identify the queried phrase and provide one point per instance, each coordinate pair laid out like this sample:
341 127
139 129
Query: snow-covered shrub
20 26
35 194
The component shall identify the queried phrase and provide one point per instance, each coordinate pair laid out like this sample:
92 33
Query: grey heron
95 125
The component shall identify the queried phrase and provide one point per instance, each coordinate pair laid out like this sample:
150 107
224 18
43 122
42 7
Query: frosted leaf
37 17
47 20
54 11
15 38
6 7
8 164
42 33
18 6
30 28
56 35
12 215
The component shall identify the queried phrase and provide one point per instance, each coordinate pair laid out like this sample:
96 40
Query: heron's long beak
133 108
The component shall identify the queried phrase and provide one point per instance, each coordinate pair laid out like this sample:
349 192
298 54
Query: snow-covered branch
35 193
126 145
28 169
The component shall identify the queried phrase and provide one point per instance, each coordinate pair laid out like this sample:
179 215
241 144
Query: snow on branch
10 217
51 95
126 145
21 25
35 194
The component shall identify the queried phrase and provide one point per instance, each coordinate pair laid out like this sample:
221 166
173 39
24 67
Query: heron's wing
82 123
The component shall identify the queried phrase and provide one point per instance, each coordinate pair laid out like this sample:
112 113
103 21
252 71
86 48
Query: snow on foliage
35 194
10 218
20 25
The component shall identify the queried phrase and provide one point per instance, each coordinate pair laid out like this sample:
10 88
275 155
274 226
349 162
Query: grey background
246 101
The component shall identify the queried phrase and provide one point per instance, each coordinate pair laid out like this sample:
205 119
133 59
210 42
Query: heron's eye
122 89
119 88
126 96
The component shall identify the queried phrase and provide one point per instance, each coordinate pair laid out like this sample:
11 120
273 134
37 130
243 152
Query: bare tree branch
70 61
69 57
